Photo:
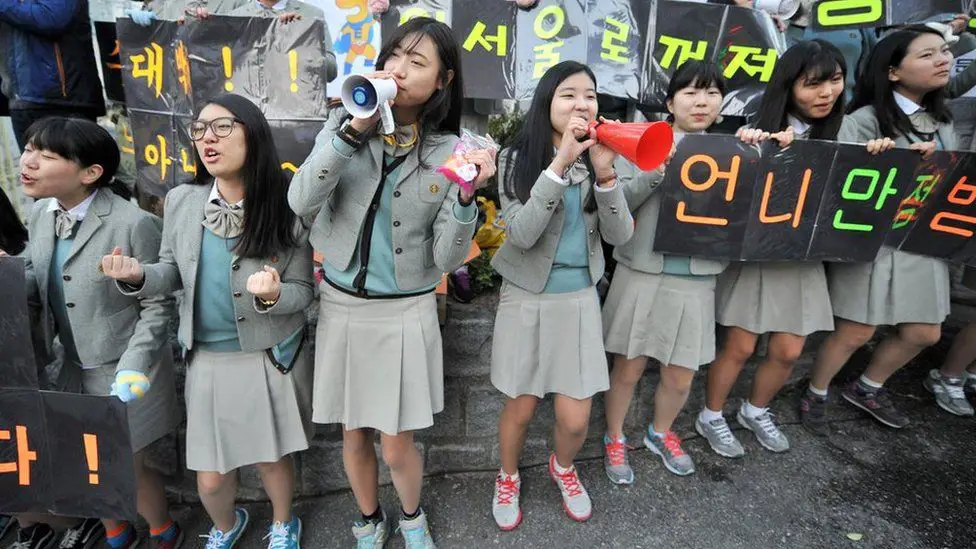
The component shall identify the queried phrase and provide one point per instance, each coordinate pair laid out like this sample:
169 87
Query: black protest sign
110 59
486 34
846 14
747 54
859 202
19 368
618 31
682 31
707 198
553 31
945 226
294 140
155 71
156 152
60 453
927 177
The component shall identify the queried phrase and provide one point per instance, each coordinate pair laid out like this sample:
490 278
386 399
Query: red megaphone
646 144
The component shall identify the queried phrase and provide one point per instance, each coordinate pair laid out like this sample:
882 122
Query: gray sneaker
416 533
615 461
371 535
949 393
767 433
720 437
669 448
576 501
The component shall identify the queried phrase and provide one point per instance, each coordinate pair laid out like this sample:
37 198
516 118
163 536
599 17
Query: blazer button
396 194
237 294
459 242
551 202
396 223
66 278
69 305
613 210
236 266
321 177
592 231
241 319
549 207
399 251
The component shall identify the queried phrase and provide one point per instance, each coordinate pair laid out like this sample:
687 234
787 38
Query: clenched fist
123 268
266 284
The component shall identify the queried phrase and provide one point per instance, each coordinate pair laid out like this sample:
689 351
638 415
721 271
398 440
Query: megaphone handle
386 119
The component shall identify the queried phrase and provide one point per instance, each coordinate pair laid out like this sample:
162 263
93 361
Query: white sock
559 468
816 391
706 416
506 476
868 383
750 411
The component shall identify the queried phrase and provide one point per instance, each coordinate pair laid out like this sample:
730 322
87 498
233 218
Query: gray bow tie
223 221
577 173
64 223
923 122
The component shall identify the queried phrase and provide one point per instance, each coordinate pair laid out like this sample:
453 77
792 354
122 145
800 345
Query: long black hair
442 112
531 149
79 140
874 87
269 224
815 61
698 74
13 235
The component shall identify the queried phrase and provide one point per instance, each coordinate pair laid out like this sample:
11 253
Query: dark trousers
23 118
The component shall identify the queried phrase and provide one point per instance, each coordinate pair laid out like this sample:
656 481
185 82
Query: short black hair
78 140
700 74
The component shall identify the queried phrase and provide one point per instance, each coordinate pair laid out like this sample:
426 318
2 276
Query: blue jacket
50 59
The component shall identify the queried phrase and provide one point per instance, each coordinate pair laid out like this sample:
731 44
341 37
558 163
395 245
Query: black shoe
813 414
39 536
876 404
83 535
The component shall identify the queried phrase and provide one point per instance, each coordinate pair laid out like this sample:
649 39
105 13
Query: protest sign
846 14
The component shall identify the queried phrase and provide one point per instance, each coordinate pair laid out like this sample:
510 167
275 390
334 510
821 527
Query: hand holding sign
925 148
877 146
290 16
123 268
265 285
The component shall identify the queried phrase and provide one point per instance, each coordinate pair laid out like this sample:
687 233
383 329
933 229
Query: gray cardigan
258 328
533 229
334 192
107 326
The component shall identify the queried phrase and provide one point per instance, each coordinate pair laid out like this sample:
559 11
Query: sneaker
371 535
720 437
876 404
615 461
576 501
767 433
39 536
285 535
669 449
970 383
6 525
813 414
86 533
505 503
220 540
175 542
949 393
416 533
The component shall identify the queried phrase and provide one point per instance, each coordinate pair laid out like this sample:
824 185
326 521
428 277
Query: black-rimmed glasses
221 127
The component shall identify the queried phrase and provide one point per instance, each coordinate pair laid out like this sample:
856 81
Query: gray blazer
862 126
107 326
533 229
258 328
638 253
335 192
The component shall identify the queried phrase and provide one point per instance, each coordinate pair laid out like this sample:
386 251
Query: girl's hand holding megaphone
570 147
603 157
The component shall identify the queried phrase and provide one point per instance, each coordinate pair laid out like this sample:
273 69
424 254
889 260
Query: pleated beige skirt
151 417
241 410
379 363
549 343
896 288
668 318
763 297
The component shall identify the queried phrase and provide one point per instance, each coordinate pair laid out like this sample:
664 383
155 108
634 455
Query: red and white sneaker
576 501
505 503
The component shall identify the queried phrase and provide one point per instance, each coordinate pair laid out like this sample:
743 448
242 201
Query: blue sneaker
220 540
372 535
285 535
416 533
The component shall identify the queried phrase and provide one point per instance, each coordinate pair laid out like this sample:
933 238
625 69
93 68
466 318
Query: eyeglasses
221 127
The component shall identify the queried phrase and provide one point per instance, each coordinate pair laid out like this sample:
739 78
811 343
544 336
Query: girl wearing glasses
233 246
388 227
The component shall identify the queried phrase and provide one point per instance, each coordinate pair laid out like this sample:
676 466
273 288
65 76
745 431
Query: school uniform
241 407
101 331
388 227
897 287
548 335
767 296
660 306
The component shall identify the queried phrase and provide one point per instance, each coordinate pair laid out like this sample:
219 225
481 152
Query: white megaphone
362 97
778 8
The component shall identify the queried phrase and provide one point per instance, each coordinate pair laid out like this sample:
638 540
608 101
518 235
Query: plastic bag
457 168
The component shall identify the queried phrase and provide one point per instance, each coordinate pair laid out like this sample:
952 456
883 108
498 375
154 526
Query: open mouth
26 179
210 155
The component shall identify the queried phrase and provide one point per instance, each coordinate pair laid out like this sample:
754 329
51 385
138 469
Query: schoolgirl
388 226
239 254
113 344
788 300
559 197
660 306
900 97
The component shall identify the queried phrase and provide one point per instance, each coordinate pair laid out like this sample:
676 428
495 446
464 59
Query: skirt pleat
763 297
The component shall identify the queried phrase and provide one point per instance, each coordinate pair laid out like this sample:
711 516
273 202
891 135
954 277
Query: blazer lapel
101 206
42 243
948 137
